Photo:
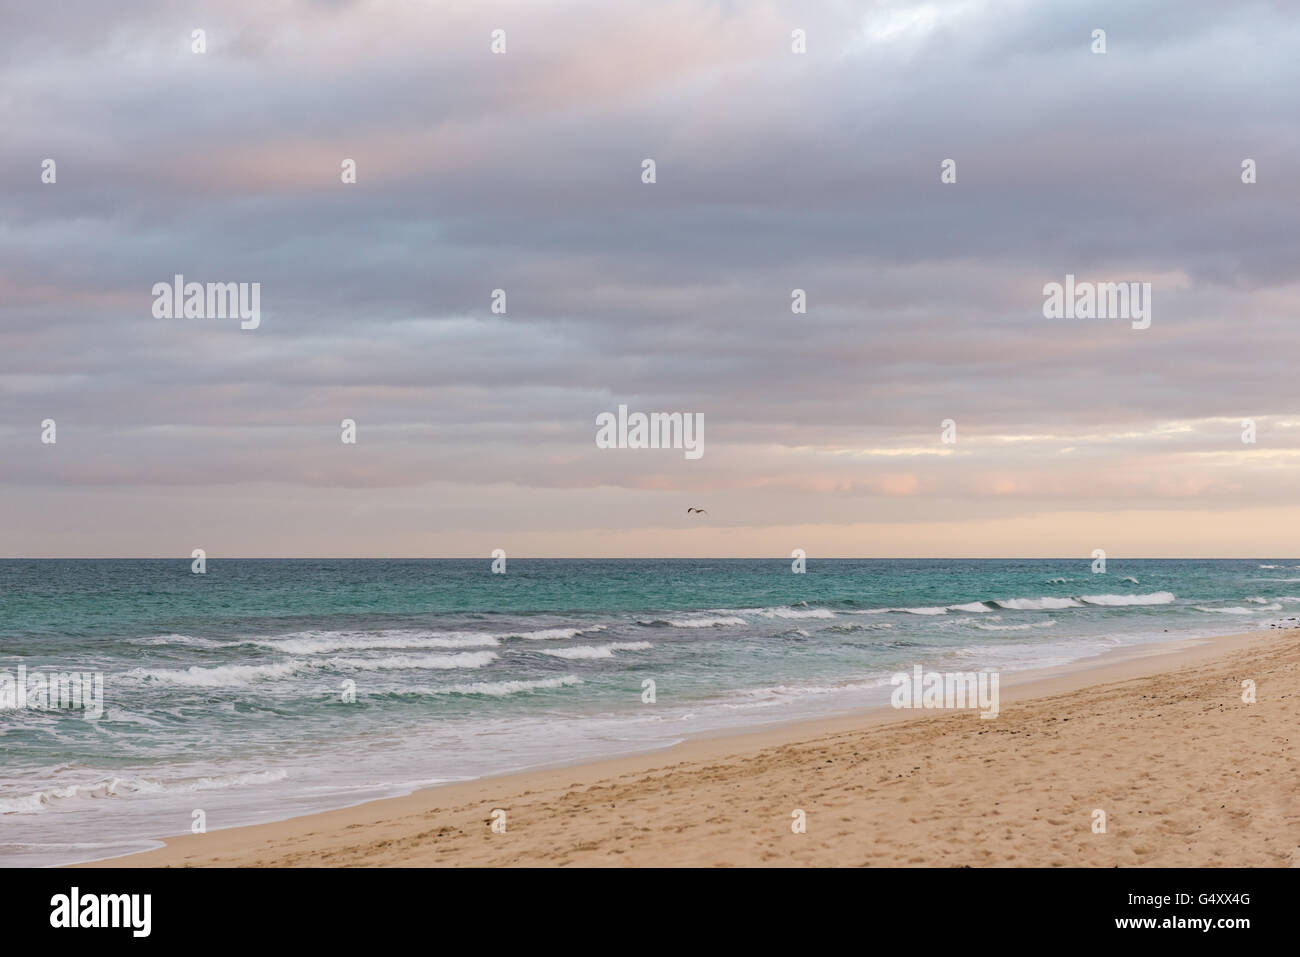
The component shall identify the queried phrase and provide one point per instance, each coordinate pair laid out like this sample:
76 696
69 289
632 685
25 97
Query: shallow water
267 688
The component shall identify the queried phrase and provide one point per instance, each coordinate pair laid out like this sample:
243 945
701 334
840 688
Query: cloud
776 171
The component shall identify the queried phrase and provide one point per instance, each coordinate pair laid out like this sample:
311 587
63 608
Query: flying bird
699 510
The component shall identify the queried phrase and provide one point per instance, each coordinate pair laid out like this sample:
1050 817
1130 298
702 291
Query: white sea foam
713 622
126 787
175 639
550 634
1033 624
222 676
786 612
1036 604
778 693
1239 610
1046 603
920 610
498 689
977 606
1155 598
467 659
325 642
596 651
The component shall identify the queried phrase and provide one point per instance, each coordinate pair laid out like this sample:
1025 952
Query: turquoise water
229 692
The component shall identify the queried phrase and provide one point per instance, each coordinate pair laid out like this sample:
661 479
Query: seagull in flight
699 510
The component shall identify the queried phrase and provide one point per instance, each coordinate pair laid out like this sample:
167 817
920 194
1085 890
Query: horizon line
647 558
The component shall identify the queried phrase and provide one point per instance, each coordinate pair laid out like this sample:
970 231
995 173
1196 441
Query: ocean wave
126 787
596 651
1033 624
1155 598
919 610
1036 604
324 642
231 676
468 659
706 622
551 634
787 612
499 689
1046 603
777 693
222 676
971 606
313 642
175 639
1239 610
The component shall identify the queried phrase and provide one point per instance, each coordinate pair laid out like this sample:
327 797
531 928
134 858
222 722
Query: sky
774 170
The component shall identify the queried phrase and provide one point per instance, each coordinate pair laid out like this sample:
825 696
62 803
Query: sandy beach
1159 739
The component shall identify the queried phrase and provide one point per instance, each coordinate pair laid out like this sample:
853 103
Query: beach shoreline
877 787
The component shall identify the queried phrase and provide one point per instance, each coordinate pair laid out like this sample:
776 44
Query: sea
264 689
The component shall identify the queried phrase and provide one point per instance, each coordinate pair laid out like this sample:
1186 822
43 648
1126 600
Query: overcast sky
775 170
